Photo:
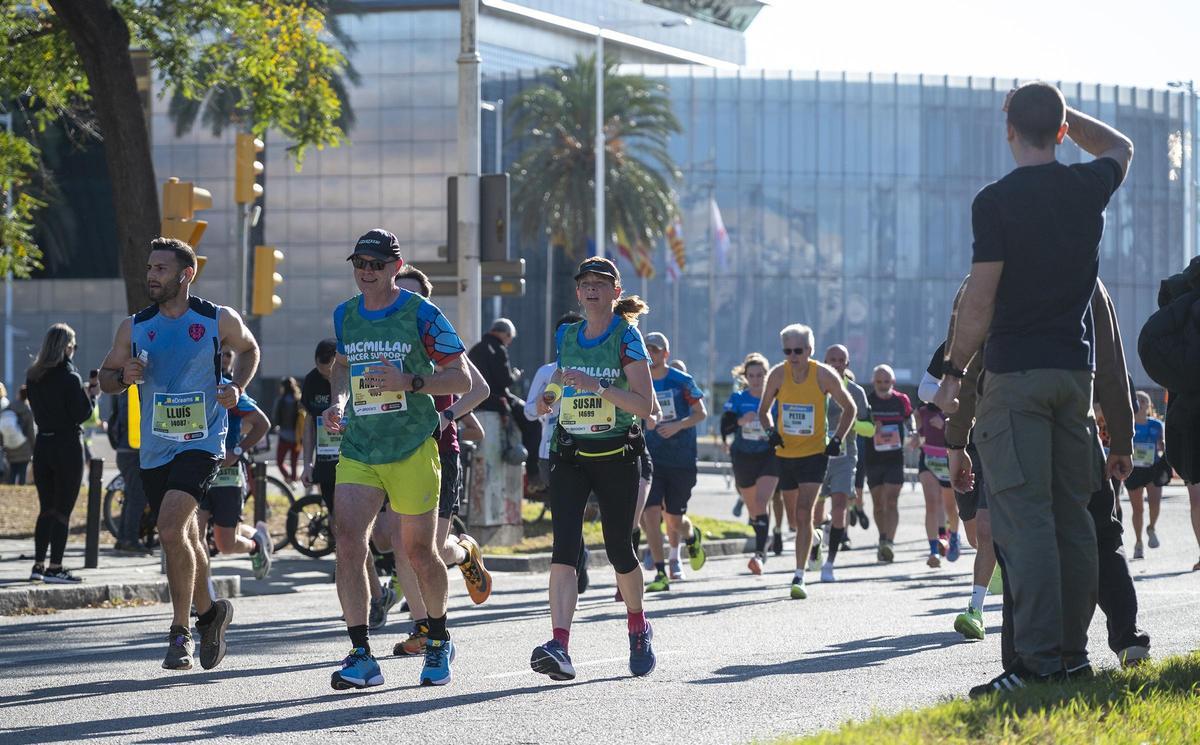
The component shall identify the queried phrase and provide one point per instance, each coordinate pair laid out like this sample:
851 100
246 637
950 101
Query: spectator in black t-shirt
314 397
1033 272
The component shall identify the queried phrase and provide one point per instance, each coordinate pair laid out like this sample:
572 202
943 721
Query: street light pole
601 242
469 279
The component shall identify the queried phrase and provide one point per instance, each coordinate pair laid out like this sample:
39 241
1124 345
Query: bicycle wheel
114 504
279 501
308 527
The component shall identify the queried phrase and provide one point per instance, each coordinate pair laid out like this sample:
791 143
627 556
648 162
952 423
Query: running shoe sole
545 663
54 579
479 595
963 625
755 565
343 684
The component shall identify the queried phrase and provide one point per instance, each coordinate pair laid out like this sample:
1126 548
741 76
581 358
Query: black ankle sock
207 616
180 630
661 566
835 542
359 637
437 628
761 524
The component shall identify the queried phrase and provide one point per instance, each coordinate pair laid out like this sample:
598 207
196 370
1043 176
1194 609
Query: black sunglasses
798 350
374 265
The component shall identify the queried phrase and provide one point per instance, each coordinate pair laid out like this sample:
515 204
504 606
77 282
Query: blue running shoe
955 550
438 656
359 670
641 654
552 660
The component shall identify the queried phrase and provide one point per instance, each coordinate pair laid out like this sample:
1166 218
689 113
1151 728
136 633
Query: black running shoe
212 636
60 576
1009 681
179 650
863 520
853 517
777 544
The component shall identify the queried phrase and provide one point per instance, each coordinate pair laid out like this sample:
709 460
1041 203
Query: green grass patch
539 539
1155 703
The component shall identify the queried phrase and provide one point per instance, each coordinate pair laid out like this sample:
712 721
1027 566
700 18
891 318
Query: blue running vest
179 396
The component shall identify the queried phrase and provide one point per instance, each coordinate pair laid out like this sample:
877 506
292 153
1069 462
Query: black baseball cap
597 265
379 244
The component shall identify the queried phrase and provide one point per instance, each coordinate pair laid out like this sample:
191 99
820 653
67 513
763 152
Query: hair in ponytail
630 307
739 372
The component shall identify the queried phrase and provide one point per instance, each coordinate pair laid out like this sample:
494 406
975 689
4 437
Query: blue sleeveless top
179 396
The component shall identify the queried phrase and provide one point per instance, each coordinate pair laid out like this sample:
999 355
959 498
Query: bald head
838 357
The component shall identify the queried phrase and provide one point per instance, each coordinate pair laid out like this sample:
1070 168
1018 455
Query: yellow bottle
135 418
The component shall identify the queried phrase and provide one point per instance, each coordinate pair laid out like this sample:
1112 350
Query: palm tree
553 179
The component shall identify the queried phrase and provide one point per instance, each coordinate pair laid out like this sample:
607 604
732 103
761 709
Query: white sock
978 593
675 553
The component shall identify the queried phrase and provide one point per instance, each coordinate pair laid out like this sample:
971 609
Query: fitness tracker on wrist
417 383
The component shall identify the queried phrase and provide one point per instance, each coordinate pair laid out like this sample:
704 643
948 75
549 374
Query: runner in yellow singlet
799 385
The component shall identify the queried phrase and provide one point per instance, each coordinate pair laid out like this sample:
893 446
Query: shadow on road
850 655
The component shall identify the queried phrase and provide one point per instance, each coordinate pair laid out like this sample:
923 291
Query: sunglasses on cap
375 265
788 352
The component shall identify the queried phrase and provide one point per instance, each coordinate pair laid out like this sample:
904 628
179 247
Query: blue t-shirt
751 438
1145 442
245 405
677 393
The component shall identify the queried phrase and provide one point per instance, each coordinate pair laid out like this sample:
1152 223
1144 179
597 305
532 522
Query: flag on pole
637 254
720 237
677 258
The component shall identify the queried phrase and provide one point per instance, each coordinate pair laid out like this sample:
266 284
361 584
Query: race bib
180 417
887 438
1144 454
937 460
798 420
367 403
586 414
754 431
231 477
328 446
666 402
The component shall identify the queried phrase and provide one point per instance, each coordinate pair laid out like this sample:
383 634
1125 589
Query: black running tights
616 486
58 473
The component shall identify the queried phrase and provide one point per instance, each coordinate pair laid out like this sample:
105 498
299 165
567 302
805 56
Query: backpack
10 430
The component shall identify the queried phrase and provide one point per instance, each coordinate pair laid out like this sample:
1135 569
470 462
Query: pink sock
636 621
563 637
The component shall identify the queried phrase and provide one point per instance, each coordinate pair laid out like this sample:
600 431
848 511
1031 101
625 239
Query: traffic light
247 169
263 300
180 203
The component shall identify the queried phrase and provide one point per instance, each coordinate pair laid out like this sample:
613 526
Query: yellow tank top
801 420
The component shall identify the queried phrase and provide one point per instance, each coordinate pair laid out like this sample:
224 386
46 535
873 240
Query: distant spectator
17 431
285 416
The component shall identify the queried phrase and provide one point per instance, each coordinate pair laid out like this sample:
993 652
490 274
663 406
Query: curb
62 597
541 562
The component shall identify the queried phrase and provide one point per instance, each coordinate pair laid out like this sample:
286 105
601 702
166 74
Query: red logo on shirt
196 331
152 334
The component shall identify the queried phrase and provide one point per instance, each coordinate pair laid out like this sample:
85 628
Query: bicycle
280 499
310 529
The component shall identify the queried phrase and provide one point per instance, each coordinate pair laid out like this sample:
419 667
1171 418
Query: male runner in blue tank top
172 351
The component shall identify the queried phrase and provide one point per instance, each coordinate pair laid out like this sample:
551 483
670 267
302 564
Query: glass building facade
847 202
847 199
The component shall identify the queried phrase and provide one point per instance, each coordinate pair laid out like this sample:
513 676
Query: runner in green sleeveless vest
603 379
389 341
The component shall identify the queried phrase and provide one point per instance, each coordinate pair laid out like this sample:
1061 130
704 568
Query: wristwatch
417 383
237 450
448 415
604 386
952 371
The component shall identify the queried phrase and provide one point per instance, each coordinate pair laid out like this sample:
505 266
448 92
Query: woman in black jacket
60 405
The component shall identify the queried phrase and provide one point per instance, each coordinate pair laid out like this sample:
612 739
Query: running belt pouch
579 450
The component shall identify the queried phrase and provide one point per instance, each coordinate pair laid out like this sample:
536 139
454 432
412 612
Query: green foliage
1158 702
18 252
554 190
